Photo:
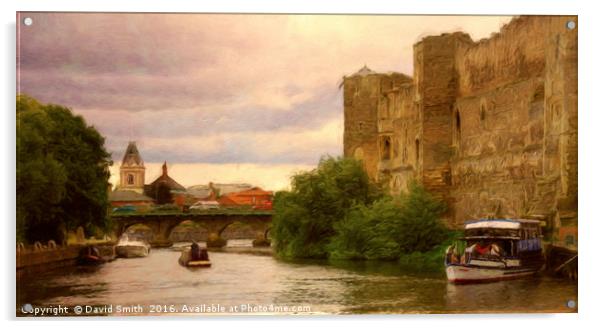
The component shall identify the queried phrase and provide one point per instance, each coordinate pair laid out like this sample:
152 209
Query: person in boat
482 249
495 250
468 252
92 252
451 254
197 252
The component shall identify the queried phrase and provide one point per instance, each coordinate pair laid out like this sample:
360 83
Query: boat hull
131 251
198 263
90 260
186 260
463 274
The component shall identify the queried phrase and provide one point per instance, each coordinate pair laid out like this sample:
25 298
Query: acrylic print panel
177 164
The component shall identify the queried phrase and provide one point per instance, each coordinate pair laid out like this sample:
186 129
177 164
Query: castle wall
498 154
516 155
361 96
399 123
436 83
489 126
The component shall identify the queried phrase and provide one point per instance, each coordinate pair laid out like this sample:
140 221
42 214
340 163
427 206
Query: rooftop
127 195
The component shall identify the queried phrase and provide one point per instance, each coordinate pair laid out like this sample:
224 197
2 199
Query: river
256 283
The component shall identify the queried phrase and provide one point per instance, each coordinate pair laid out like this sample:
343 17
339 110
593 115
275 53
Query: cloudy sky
226 98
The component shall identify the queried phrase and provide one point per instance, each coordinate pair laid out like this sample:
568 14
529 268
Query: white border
589 150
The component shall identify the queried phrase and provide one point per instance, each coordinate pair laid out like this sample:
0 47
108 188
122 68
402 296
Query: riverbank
39 258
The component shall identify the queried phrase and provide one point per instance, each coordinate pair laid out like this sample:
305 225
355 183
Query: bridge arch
162 225
188 230
140 231
266 233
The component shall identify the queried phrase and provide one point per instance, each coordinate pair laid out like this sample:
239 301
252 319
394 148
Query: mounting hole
28 21
571 25
571 304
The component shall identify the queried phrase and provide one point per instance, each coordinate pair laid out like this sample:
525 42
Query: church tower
131 172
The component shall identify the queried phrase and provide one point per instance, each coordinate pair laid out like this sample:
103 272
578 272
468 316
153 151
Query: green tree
304 218
391 227
421 227
62 173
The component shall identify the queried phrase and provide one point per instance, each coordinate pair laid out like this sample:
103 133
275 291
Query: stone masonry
488 126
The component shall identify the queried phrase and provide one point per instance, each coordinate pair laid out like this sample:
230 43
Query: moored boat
92 255
495 250
131 249
194 256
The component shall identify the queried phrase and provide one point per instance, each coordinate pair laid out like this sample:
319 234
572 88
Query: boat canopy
490 237
509 224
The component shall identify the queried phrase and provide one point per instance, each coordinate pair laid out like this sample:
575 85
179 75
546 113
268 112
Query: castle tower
362 92
436 89
132 170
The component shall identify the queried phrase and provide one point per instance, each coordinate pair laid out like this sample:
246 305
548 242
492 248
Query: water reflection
328 287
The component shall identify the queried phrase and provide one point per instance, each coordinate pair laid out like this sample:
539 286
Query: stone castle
489 126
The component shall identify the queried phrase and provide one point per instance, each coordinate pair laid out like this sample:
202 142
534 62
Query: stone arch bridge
161 225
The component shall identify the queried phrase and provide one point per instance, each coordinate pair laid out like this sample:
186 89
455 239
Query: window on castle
404 155
386 148
483 112
130 179
417 151
457 128
360 126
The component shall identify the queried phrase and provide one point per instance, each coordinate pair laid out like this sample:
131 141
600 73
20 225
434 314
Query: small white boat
131 249
186 258
497 249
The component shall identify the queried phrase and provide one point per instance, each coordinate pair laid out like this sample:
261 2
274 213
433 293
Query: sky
222 98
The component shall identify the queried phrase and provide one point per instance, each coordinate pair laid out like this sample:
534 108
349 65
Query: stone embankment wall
39 257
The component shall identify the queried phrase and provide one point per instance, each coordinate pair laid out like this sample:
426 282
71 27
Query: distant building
120 198
132 189
164 188
216 189
132 170
255 197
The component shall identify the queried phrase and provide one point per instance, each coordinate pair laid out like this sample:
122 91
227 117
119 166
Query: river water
259 284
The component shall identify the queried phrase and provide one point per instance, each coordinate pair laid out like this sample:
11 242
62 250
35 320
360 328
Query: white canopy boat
496 249
131 249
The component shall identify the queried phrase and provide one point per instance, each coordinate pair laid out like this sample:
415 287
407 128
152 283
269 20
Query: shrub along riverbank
336 212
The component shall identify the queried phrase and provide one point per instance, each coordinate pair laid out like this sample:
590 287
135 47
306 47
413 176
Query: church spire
132 171
164 169
132 156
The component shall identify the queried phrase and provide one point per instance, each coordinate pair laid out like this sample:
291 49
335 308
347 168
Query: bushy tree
421 227
391 227
367 232
62 173
304 218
